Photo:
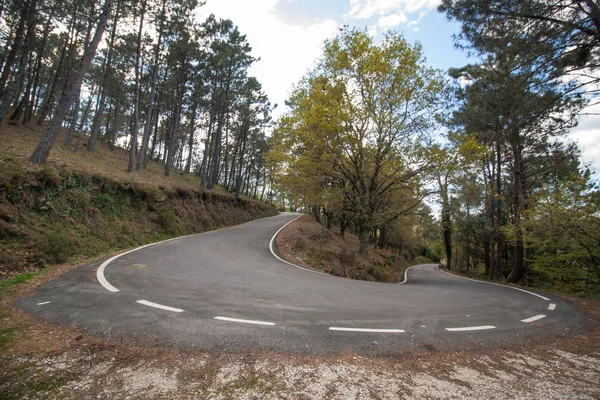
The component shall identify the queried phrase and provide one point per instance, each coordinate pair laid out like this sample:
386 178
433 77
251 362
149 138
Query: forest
144 75
473 167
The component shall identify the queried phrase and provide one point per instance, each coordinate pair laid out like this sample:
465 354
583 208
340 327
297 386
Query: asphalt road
226 291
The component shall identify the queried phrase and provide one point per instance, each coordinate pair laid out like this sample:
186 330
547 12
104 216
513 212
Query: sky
288 36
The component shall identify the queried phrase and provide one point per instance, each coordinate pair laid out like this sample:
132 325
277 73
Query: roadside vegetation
307 243
78 207
371 132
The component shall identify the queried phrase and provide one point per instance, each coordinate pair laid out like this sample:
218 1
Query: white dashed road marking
368 330
471 328
534 318
45 302
155 305
245 321
551 306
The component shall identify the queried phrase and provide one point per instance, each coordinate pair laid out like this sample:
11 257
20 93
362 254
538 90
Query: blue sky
424 25
288 36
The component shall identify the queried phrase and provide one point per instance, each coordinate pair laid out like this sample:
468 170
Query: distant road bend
225 290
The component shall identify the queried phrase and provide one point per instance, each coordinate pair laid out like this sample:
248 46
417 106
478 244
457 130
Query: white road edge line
101 268
245 321
368 330
405 279
497 284
285 261
534 318
102 279
45 302
551 306
471 328
155 305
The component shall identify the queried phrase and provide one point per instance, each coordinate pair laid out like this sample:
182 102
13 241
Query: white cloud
390 21
365 9
587 136
286 51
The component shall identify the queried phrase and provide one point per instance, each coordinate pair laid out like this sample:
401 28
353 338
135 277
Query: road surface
225 290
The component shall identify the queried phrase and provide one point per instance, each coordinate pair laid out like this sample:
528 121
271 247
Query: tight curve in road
225 290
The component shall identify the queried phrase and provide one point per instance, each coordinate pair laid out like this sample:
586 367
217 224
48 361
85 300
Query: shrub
59 246
49 176
347 257
107 204
12 176
422 260
299 244
167 220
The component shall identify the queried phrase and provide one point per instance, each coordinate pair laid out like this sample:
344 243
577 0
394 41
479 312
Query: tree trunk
238 182
13 90
363 237
154 138
136 101
343 227
447 234
24 103
28 6
188 165
173 136
38 68
69 139
72 86
97 121
316 213
142 157
518 250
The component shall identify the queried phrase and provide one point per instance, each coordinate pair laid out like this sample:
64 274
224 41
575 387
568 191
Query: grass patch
7 335
245 383
17 279
49 385
60 246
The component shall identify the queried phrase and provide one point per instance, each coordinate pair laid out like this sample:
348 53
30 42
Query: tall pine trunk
48 103
97 121
28 7
11 91
72 87
518 268
188 165
136 104
143 154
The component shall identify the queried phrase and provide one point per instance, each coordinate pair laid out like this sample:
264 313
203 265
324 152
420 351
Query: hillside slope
307 243
81 204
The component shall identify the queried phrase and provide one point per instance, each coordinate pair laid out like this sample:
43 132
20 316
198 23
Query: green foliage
423 260
514 103
12 175
351 143
108 204
167 219
49 176
379 272
560 37
7 335
17 279
563 231
59 246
